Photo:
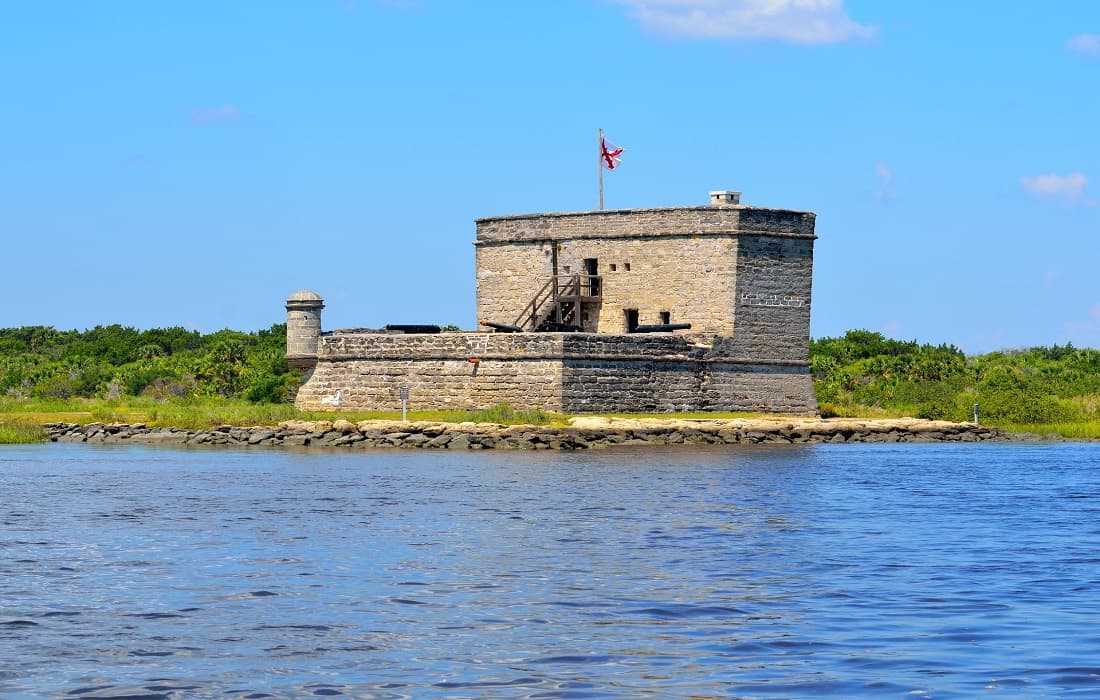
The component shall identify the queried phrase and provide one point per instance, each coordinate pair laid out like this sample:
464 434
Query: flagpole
599 164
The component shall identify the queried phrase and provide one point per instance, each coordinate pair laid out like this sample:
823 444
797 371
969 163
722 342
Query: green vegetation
505 414
175 377
111 362
1081 430
203 413
866 374
20 432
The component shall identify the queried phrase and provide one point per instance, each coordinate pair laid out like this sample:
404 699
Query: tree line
114 361
858 373
863 370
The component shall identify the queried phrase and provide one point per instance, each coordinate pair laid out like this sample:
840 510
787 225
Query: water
878 571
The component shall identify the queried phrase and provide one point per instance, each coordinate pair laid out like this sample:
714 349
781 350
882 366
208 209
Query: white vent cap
724 198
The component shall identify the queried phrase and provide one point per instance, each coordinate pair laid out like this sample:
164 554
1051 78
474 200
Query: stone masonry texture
567 372
740 275
685 262
303 326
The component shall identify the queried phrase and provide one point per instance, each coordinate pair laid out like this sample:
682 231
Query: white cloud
221 113
797 21
886 179
882 170
1068 187
1088 44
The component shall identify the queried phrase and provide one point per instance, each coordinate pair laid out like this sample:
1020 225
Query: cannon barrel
412 328
502 327
555 327
662 328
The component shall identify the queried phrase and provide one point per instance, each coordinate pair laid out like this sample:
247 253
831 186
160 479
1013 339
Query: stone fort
703 308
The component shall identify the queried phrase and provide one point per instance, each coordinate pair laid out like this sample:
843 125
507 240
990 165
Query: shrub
165 388
269 389
1017 406
54 388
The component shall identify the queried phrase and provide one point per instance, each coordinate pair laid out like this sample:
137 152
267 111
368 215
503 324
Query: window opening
592 268
631 319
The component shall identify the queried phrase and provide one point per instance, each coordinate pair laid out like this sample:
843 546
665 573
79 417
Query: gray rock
258 436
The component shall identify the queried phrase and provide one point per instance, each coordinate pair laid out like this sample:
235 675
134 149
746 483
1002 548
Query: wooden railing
563 294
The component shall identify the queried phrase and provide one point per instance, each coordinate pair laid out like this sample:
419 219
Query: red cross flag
609 153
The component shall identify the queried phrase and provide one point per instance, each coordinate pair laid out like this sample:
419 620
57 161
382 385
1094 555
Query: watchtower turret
303 328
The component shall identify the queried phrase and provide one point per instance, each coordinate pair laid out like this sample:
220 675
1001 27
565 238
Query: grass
694 416
21 433
503 413
865 412
1072 430
21 421
1081 430
208 413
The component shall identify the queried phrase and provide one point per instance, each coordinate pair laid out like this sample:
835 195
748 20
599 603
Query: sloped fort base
565 372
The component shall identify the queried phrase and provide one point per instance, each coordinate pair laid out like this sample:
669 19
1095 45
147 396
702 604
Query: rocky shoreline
581 433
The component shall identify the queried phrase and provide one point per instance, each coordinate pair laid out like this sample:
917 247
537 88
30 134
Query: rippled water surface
879 571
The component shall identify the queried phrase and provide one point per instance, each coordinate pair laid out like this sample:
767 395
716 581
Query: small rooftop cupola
303 329
724 198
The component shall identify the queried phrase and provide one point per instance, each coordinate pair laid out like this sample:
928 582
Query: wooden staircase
559 302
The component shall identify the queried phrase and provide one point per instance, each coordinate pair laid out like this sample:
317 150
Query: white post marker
405 404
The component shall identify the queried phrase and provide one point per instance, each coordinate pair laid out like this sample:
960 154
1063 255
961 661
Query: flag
609 154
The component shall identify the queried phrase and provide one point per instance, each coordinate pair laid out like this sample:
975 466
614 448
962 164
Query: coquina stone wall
509 276
566 372
740 275
698 265
772 298
369 370
650 276
654 221
671 372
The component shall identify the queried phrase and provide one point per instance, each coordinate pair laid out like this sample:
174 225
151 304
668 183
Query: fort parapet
739 275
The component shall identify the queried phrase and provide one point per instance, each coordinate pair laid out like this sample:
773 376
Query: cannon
412 328
662 328
556 327
501 327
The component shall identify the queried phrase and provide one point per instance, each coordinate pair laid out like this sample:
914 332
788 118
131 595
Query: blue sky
192 163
